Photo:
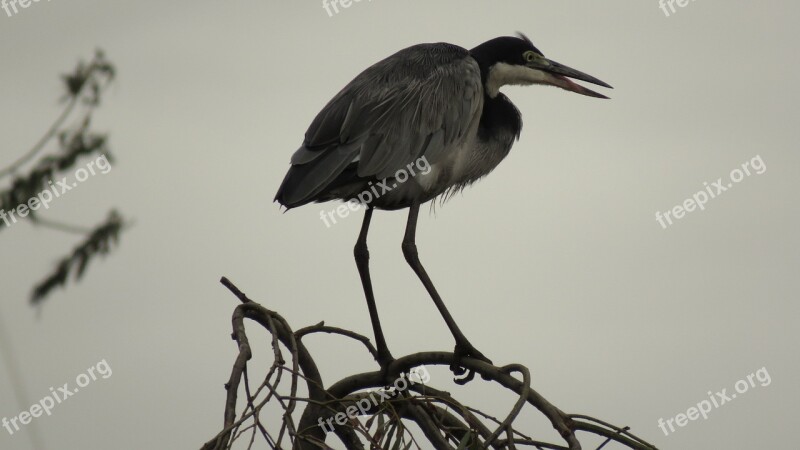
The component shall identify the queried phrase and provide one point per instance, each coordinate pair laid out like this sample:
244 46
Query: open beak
558 73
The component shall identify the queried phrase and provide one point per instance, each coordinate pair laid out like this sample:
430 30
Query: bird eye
529 55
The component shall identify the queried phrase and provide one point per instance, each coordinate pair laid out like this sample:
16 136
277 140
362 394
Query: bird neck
499 116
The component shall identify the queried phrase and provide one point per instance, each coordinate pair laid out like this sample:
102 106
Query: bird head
516 61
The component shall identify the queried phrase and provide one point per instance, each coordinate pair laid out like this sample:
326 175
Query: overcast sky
556 260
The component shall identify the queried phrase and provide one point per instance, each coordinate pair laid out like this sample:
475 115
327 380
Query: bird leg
361 254
463 347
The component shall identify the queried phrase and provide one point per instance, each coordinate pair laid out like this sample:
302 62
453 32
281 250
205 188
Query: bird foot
466 350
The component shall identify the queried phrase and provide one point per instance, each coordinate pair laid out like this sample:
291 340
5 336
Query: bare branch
349 407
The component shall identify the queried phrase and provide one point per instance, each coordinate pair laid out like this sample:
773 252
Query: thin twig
39 145
418 403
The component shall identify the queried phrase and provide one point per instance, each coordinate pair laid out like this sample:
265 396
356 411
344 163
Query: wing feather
418 102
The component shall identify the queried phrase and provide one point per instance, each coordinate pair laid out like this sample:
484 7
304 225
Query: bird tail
308 182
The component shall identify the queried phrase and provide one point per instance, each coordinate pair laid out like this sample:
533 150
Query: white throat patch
503 74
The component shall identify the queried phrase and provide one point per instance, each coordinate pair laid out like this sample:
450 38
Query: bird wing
421 101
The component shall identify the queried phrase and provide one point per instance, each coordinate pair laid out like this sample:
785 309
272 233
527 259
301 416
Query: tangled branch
349 407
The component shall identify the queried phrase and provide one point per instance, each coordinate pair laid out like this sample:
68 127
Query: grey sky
555 260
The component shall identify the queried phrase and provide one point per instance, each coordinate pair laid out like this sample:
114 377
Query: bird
435 102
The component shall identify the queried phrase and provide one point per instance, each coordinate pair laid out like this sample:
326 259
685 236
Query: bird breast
472 160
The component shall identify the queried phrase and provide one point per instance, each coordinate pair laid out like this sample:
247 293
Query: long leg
361 254
463 346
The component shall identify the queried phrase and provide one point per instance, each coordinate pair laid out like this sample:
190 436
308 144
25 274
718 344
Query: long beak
558 74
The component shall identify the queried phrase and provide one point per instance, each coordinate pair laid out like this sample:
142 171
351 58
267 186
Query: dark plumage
437 103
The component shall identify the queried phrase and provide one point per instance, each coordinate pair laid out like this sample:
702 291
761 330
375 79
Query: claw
459 380
465 350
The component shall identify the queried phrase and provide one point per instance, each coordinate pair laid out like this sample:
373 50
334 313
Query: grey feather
421 101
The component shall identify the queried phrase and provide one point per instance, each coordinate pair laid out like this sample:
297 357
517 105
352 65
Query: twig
418 403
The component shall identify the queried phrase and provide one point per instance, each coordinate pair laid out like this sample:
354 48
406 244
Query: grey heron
438 101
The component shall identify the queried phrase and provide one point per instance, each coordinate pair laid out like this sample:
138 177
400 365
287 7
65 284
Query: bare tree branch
349 408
